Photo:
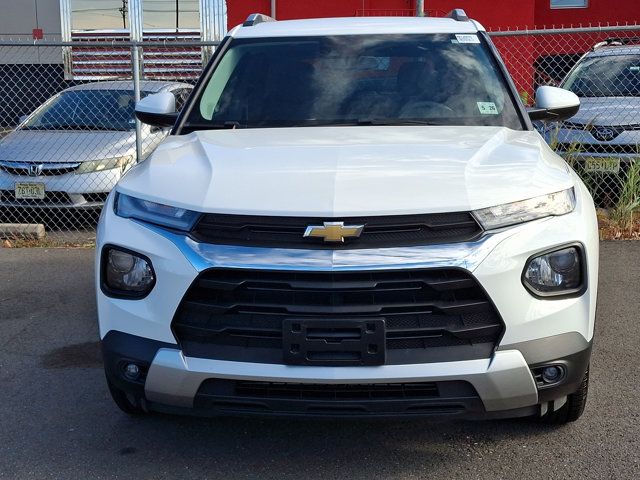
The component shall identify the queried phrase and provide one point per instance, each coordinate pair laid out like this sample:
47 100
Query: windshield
606 76
439 79
86 110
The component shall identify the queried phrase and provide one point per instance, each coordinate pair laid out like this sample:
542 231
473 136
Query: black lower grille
429 315
50 198
383 231
419 398
303 391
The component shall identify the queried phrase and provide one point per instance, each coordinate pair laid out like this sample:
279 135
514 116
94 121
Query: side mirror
554 104
157 110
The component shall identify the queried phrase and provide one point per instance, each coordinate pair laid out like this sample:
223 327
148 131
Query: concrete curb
22 230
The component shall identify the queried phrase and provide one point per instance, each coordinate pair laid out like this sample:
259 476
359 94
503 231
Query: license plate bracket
29 191
334 342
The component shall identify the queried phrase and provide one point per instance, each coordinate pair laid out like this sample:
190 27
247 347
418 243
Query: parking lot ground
57 420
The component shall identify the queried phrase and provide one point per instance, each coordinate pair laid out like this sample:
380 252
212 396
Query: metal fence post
136 36
135 66
419 8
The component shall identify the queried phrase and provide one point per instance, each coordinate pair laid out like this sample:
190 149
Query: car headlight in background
555 273
105 164
126 274
553 204
156 213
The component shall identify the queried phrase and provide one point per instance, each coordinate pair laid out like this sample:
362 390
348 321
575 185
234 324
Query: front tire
574 407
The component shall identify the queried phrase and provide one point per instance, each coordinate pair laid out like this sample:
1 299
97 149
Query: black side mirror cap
552 114
161 120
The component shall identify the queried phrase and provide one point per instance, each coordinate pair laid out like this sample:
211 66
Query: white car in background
72 150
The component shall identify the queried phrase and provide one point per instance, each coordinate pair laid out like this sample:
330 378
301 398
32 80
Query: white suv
352 217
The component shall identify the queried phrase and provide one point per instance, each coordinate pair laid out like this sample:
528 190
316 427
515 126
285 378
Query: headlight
559 203
157 213
560 272
126 274
105 164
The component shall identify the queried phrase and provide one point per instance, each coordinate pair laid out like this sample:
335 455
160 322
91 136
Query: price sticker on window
487 108
467 38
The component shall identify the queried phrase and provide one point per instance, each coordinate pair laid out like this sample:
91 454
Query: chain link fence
68 133
602 66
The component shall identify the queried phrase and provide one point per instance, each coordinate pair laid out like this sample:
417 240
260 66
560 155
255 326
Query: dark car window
443 79
606 76
87 110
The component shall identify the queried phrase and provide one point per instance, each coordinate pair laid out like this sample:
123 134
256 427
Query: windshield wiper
399 122
347 122
228 125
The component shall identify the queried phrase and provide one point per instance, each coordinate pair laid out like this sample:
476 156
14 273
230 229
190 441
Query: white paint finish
160 103
496 264
555 98
501 385
527 318
342 171
355 26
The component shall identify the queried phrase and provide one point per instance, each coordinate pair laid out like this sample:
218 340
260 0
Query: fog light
131 371
126 274
551 374
555 273
548 375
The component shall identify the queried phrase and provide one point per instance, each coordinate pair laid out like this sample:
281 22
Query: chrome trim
503 382
45 165
467 255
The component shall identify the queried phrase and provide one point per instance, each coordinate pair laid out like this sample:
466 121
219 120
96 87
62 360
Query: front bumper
83 191
502 386
536 331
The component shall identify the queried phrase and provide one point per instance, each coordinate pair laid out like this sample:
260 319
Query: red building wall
492 14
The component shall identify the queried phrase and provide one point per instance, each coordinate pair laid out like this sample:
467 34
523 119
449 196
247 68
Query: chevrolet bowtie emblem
333 231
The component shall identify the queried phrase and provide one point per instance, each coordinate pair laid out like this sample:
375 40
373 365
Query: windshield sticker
487 108
467 38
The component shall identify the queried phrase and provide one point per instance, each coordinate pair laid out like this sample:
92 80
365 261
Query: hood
348 171
609 111
65 146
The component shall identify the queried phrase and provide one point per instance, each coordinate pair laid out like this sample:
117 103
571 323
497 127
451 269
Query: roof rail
616 42
458 15
256 18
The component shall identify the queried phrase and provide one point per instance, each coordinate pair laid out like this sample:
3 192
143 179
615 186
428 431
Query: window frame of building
564 4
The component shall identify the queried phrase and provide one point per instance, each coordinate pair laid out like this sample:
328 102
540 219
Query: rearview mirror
157 110
554 104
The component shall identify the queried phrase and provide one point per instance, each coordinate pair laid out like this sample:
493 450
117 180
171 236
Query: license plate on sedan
602 165
29 191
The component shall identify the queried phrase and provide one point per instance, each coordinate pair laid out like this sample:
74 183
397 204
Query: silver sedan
73 149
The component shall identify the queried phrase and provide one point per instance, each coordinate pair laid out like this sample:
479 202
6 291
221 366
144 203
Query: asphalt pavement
58 421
